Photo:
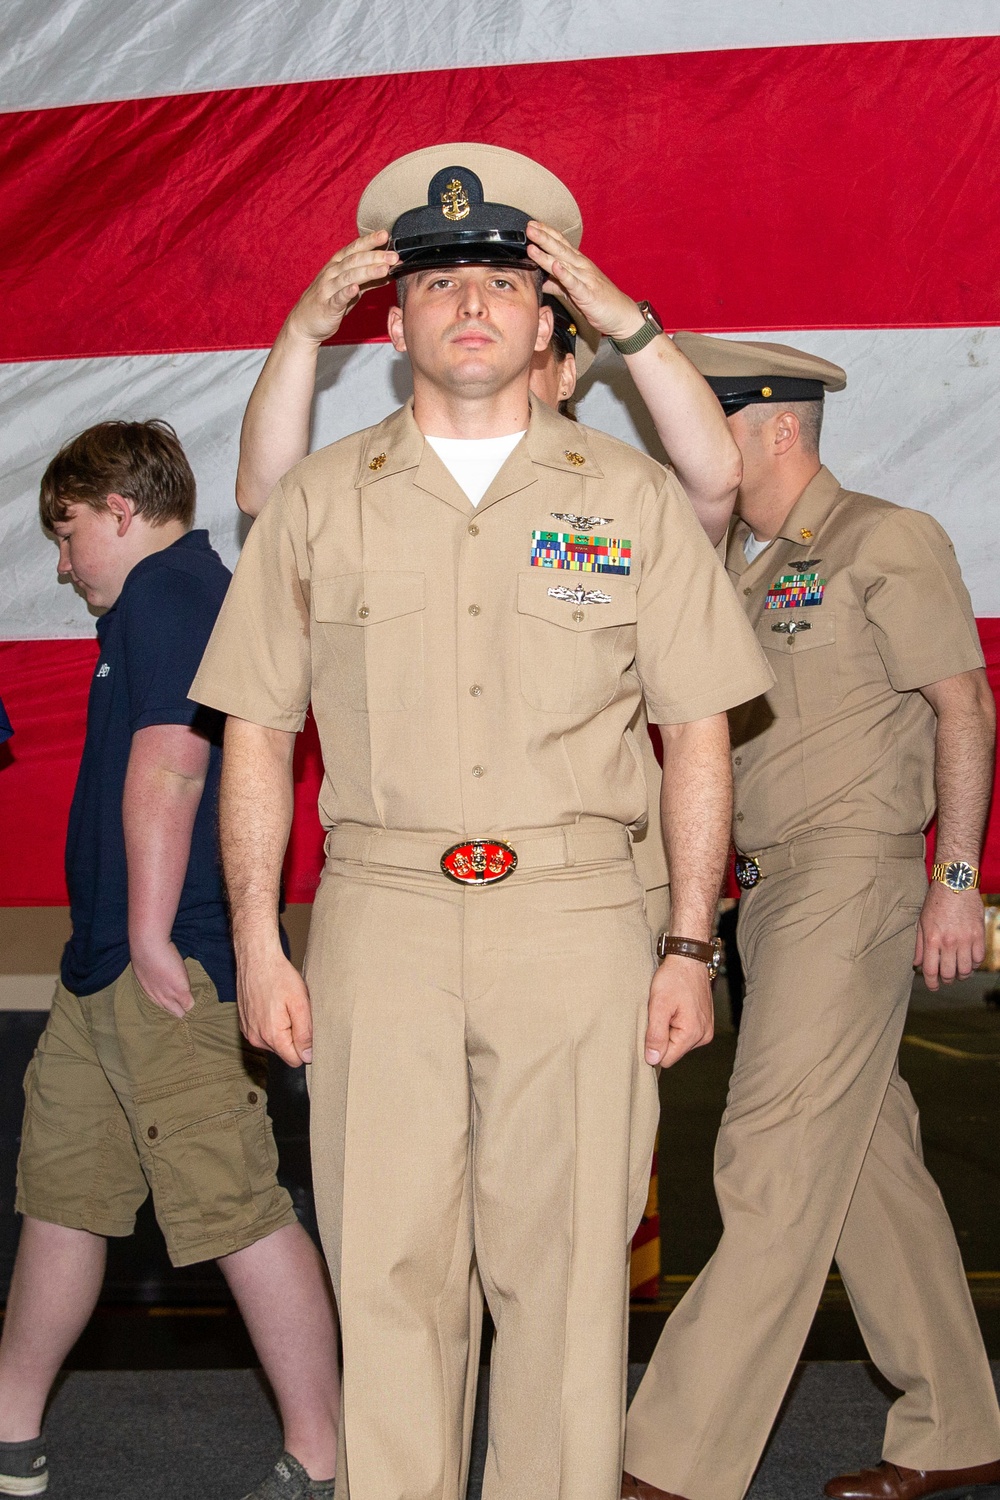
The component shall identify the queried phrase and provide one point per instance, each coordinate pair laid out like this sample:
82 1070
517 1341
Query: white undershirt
753 547
474 463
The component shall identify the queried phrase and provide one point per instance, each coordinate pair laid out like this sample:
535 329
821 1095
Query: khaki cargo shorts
123 1099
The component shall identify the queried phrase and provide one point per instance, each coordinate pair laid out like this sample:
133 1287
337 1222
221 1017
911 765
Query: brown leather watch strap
705 953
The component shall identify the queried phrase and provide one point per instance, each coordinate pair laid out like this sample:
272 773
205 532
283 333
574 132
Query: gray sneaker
23 1469
288 1480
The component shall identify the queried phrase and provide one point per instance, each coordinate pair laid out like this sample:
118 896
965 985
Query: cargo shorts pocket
573 653
372 626
211 1161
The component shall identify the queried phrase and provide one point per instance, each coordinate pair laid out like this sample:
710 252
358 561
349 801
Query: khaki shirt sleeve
696 654
257 665
919 607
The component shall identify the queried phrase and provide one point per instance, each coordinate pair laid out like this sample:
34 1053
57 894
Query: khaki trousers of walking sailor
819 1156
480 1101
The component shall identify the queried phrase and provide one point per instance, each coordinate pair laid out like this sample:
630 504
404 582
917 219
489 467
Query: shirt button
738 760
252 1097
476 690
473 609
364 612
479 771
748 591
473 529
152 1132
578 615
739 817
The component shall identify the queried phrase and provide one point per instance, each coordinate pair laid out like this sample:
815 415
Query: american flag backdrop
173 174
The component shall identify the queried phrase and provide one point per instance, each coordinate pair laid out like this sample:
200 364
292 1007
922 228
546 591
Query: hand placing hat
364 263
604 305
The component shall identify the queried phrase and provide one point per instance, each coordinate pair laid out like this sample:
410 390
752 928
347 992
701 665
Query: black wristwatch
651 327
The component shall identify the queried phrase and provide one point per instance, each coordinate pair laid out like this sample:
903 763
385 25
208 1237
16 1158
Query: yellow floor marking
922 1041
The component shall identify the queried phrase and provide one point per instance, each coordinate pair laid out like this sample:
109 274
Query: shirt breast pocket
573 652
802 651
372 627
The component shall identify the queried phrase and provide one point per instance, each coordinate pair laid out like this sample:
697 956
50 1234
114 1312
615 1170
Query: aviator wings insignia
580 523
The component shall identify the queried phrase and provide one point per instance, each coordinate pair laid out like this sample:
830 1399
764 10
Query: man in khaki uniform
880 702
473 595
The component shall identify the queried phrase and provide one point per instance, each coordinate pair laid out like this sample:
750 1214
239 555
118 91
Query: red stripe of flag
779 188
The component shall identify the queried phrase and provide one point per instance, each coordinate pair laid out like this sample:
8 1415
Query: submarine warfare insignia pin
580 595
580 523
790 627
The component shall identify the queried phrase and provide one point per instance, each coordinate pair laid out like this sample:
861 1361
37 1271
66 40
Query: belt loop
366 849
569 844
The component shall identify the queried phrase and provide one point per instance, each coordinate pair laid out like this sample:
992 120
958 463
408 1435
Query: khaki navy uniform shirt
463 678
858 604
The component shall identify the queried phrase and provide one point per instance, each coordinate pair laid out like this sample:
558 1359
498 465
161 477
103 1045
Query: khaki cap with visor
465 203
743 372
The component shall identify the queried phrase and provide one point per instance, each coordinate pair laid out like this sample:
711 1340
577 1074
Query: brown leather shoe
638 1489
893 1482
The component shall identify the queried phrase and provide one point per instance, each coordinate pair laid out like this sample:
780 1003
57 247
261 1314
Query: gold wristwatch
957 875
709 954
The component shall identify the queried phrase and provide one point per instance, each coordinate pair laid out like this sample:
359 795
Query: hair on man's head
143 461
809 414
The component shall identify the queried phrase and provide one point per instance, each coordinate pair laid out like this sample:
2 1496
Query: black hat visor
737 391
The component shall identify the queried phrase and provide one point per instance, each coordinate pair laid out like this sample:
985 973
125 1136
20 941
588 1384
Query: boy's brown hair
143 461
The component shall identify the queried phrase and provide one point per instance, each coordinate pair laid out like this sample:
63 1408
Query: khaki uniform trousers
480 1103
819 1156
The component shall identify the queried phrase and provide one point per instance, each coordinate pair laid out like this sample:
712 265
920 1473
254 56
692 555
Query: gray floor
211 1435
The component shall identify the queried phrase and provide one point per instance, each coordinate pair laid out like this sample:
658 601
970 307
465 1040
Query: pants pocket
210 1157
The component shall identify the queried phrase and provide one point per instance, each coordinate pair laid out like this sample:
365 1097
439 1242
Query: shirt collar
800 526
552 441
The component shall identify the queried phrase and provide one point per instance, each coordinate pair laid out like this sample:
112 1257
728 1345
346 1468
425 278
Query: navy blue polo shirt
151 641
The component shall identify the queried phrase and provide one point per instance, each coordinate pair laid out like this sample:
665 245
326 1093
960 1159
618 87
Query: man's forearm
693 430
163 788
696 808
963 762
255 816
275 432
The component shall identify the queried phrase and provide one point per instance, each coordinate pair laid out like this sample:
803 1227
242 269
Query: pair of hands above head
366 262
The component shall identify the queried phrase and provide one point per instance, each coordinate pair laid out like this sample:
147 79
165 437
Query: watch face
959 876
651 315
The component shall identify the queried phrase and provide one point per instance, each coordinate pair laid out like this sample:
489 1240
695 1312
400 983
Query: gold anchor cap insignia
376 463
455 201
805 534
575 458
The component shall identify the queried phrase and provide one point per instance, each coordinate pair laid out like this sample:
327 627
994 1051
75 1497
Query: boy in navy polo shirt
141 1081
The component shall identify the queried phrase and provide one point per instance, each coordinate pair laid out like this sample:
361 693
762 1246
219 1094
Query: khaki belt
808 850
536 848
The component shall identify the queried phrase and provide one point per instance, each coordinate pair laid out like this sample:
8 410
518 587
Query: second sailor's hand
604 305
321 309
